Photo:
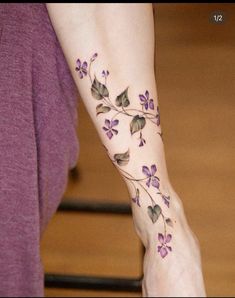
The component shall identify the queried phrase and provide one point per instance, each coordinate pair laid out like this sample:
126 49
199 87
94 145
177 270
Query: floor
195 69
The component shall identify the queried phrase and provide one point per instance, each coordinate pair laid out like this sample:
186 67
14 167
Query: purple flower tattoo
166 200
138 120
105 73
108 128
136 199
81 68
154 180
154 210
99 90
164 248
145 101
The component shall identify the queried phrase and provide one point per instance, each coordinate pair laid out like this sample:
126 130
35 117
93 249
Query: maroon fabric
38 141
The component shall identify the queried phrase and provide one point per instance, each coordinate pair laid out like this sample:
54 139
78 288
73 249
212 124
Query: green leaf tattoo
122 99
99 90
154 212
122 159
137 124
102 109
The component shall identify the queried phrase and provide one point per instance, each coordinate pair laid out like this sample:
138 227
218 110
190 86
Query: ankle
181 230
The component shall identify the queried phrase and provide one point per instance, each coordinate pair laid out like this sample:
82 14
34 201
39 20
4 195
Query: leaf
137 124
98 90
154 212
122 99
102 109
122 158
169 222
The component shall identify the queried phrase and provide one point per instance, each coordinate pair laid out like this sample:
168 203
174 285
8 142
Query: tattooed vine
100 92
138 120
154 211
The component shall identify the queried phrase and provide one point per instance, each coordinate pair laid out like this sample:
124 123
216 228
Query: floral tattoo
138 120
138 117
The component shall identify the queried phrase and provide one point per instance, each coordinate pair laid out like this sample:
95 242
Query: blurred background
195 72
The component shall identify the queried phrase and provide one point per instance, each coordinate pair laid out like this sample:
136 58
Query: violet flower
105 73
148 103
81 68
154 180
109 128
164 248
166 200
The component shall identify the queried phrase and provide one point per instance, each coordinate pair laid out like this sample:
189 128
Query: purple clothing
38 141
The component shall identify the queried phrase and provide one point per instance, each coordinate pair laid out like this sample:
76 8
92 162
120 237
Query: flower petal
167 198
168 238
142 97
146 171
161 238
105 128
80 74
159 248
84 65
107 123
163 252
151 104
167 203
155 182
147 94
115 131
169 248
109 134
84 71
146 105
78 62
148 182
114 122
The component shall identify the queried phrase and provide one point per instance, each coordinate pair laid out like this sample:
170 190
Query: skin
110 51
